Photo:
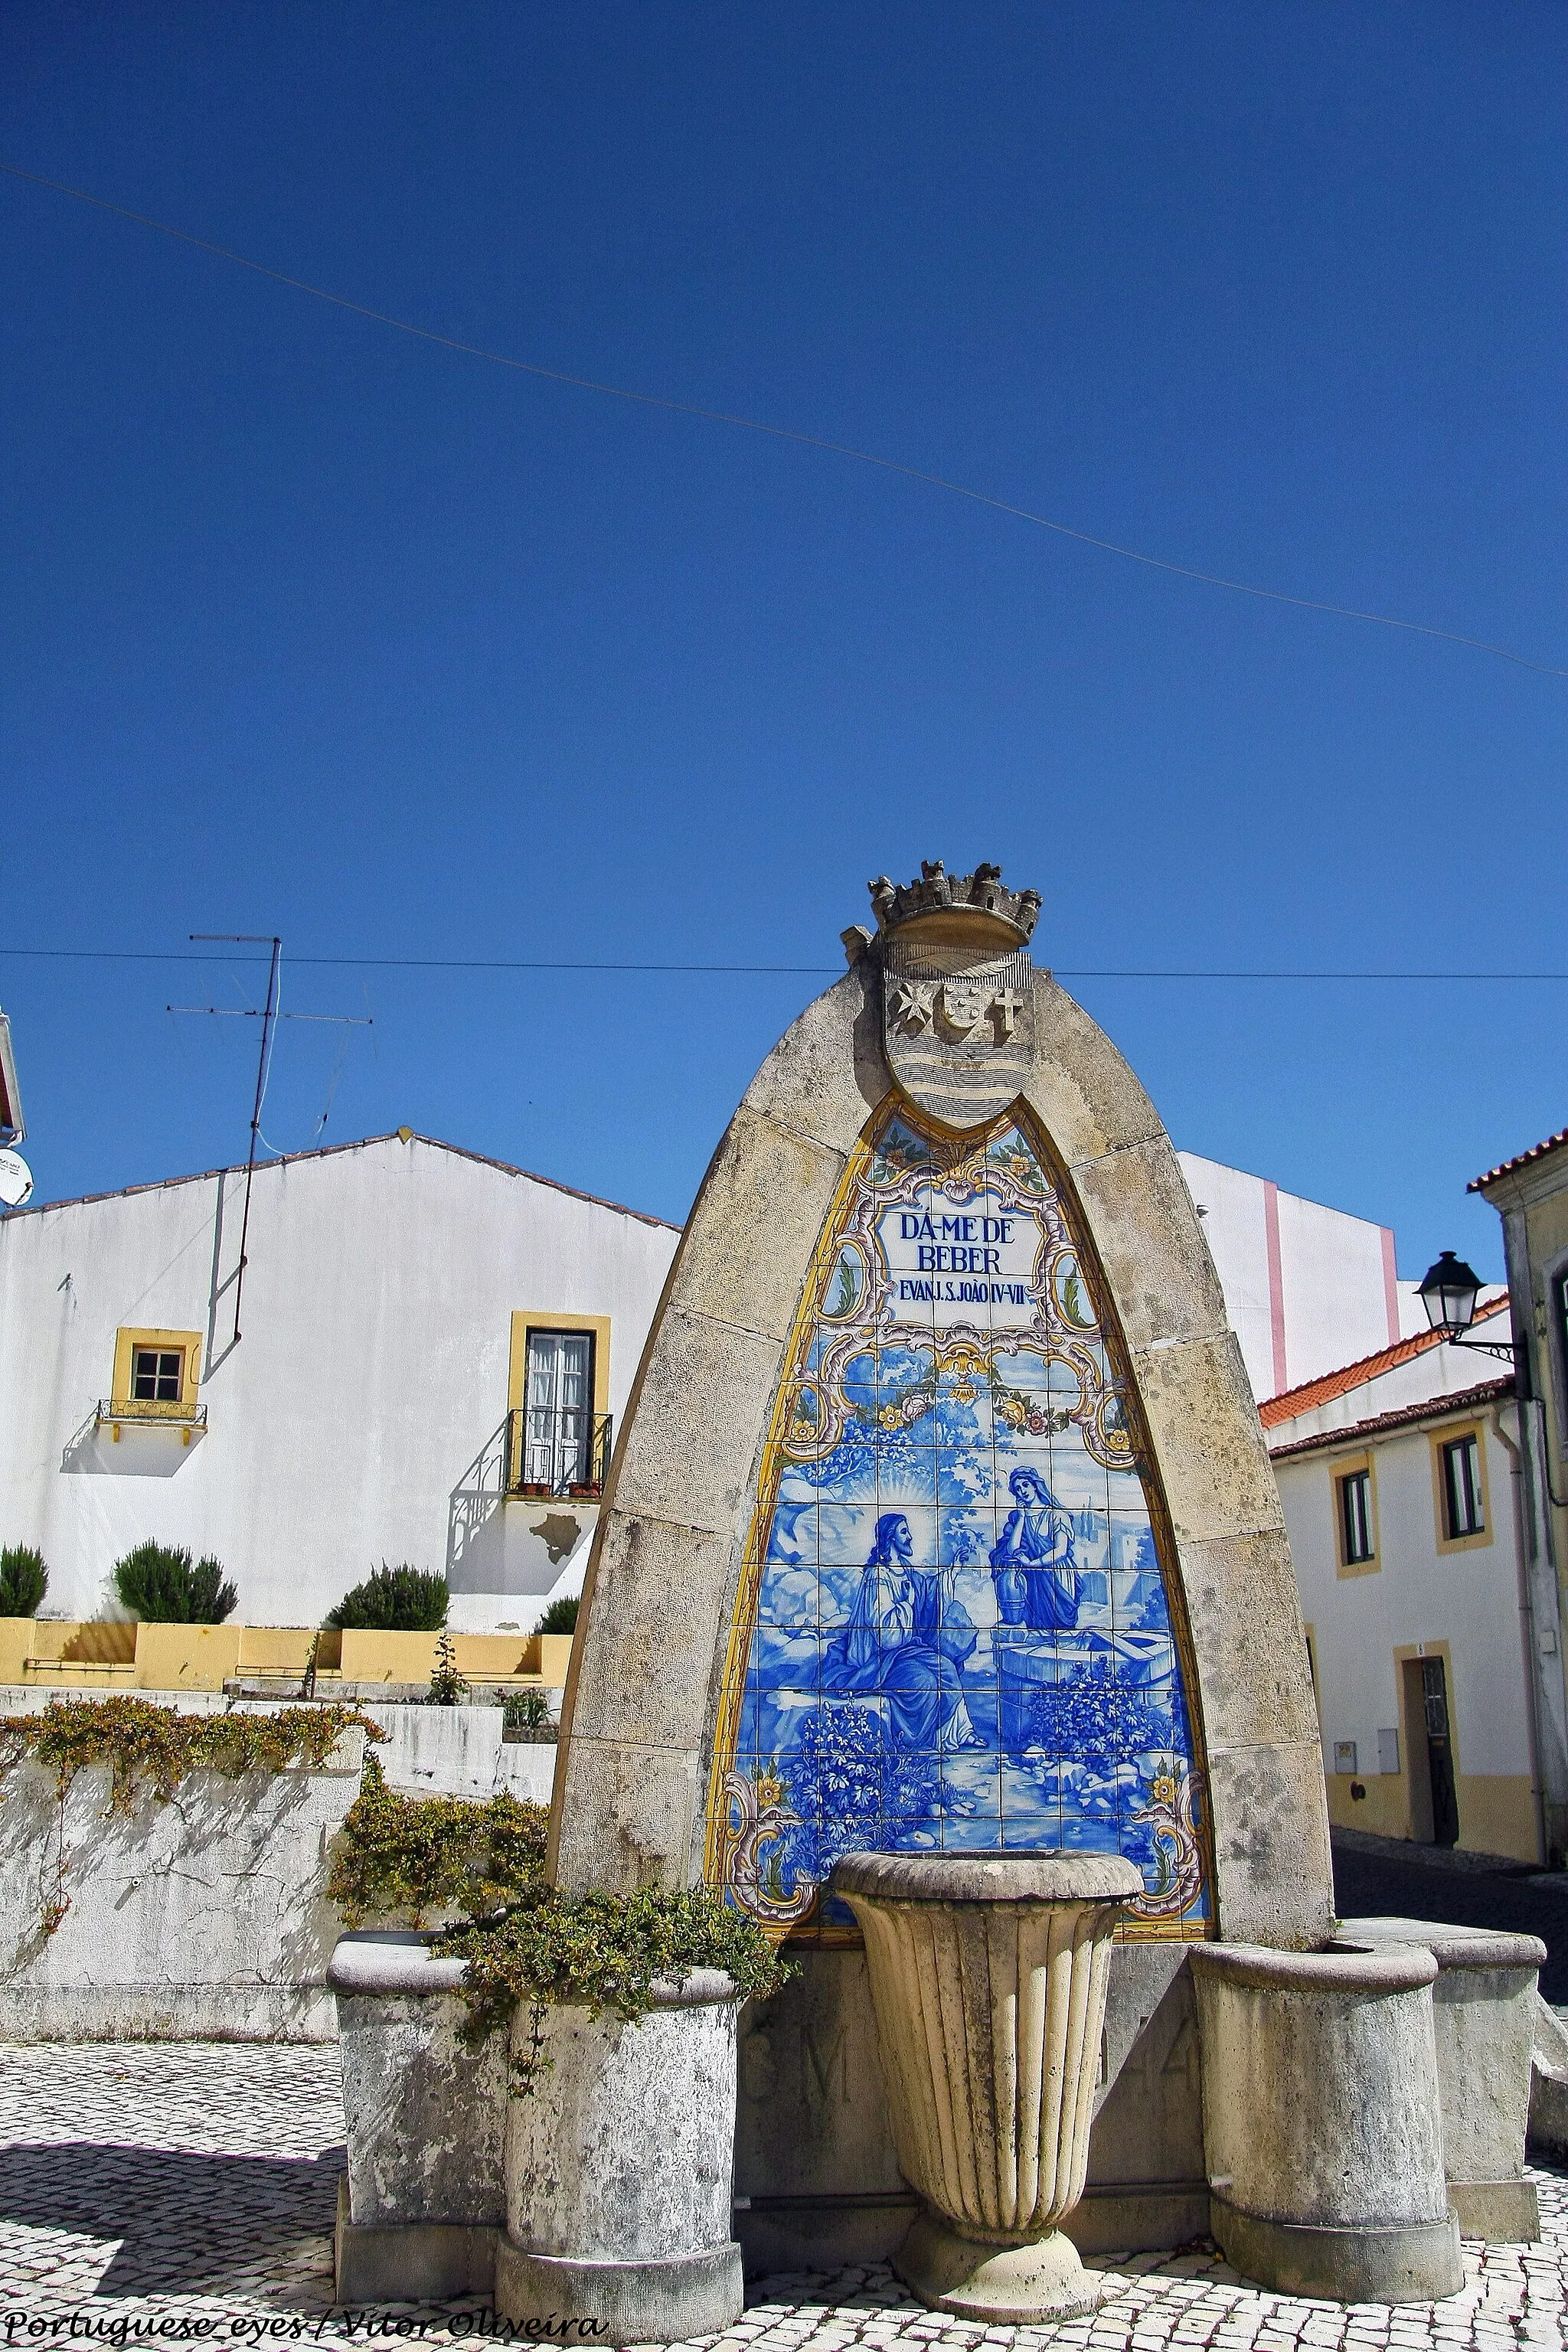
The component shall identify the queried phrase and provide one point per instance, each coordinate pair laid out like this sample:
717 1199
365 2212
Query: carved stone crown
937 892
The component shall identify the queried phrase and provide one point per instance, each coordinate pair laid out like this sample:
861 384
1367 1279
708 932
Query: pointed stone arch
646 1692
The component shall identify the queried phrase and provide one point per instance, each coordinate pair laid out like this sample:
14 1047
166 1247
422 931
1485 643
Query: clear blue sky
310 627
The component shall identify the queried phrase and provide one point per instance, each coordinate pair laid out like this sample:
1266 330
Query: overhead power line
781 433
765 971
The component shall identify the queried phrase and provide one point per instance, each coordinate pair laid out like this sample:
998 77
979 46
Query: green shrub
561 1617
527 1945
158 1583
525 1714
399 1857
393 1601
447 1686
24 1581
600 1952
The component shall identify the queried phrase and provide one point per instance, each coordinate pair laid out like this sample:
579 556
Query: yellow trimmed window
558 1406
156 1375
1355 1518
1459 1488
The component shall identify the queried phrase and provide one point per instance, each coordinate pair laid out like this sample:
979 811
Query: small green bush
525 1714
600 1952
561 1617
393 1601
158 1583
447 1686
24 1581
402 1857
399 1857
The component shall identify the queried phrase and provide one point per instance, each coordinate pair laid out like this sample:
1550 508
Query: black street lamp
1448 1291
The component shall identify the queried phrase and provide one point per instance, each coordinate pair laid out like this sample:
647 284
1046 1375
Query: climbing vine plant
143 1743
403 1857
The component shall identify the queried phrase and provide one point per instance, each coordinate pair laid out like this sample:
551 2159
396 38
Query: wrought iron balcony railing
145 1409
554 1450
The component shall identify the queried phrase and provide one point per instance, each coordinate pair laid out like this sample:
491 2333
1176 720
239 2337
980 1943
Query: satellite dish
16 1179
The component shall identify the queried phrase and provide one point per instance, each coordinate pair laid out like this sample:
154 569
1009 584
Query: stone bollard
988 1976
619 2173
1484 2007
1323 2128
420 2209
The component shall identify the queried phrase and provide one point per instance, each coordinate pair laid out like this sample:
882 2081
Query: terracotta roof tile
1434 1409
1328 1385
1520 1159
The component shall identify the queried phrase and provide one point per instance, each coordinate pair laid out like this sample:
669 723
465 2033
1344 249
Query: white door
560 1408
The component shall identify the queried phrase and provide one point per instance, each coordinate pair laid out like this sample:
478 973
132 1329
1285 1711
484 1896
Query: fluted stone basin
988 1975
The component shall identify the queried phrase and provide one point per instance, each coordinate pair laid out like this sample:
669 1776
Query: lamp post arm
1505 1349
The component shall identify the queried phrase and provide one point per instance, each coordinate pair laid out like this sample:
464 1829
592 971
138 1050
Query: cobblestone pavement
161 2182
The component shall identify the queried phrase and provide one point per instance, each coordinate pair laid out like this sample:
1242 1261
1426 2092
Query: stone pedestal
1483 2007
989 1974
424 2200
619 2166
1323 2127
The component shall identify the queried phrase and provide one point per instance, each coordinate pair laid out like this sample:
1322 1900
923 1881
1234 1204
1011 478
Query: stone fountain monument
941 1546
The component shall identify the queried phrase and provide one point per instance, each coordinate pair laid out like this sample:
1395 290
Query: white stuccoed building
1307 1287
434 1350
1399 1478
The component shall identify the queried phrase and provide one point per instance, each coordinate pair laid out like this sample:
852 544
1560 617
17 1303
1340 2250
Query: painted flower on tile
1100 1722
1011 1153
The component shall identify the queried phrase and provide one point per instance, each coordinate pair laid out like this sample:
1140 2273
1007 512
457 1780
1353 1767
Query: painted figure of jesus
901 1642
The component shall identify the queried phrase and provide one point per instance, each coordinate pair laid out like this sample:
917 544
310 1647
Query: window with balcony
558 1431
155 1381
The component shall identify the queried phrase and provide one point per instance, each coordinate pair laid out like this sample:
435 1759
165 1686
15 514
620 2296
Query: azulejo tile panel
956 1629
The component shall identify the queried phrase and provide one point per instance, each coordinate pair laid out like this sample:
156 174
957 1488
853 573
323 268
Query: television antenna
270 1016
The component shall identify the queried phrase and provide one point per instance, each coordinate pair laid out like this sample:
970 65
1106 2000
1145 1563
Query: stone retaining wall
203 1918
207 1918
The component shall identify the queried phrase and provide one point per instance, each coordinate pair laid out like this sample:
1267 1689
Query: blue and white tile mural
954 1630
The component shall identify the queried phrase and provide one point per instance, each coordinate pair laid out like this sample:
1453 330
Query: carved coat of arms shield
957 1028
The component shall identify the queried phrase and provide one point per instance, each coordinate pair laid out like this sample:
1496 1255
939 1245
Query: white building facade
433 1351
1307 1287
1400 1481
